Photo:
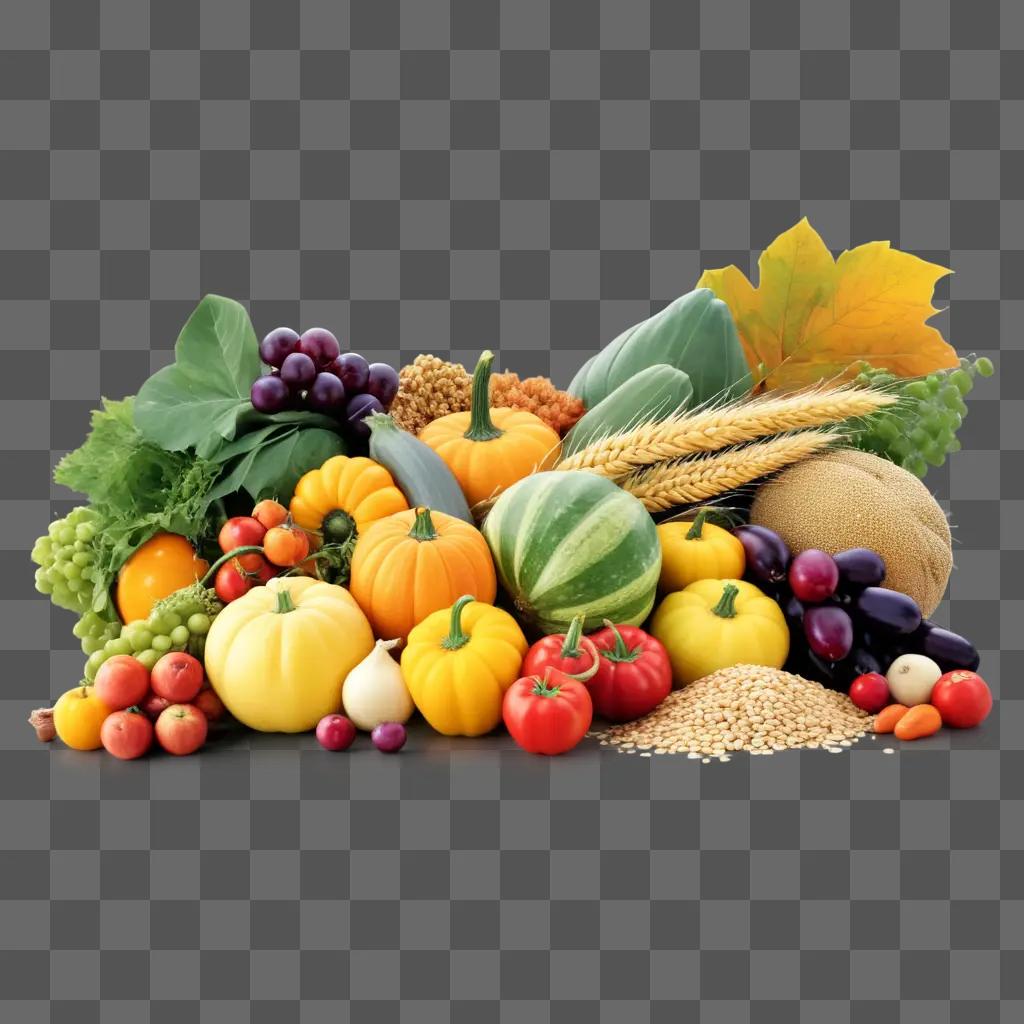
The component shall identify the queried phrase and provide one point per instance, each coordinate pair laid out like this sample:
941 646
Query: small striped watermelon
572 543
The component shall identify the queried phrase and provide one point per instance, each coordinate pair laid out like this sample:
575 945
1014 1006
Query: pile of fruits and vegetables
716 539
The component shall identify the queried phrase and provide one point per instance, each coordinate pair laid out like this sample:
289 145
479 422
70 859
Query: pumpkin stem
695 531
423 527
571 644
726 607
481 426
620 652
456 638
245 549
284 602
337 526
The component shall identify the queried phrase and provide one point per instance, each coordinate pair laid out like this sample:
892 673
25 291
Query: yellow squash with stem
459 662
489 449
697 550
715 624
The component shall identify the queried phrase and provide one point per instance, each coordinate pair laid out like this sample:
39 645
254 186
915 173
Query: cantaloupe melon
849 499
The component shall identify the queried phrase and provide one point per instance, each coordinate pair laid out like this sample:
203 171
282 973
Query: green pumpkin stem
571 644
695 531
456 638
726 607
481 426
285 603
423 527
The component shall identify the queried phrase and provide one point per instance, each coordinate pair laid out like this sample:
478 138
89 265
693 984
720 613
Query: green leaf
274 466
206 390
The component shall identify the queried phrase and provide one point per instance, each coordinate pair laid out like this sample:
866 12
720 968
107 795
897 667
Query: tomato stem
245 549
456 638
481 426
542 688
726 607
423 527
695 531
571 644
620 652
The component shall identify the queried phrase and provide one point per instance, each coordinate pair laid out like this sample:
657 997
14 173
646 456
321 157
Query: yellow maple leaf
812 318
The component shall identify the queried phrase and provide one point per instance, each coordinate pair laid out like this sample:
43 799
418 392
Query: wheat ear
712 429
688 481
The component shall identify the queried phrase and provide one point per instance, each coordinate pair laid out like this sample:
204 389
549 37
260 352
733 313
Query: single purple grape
389 737
383 383
269 394
280 343
359 407
298 371
320 345
327 394
353 370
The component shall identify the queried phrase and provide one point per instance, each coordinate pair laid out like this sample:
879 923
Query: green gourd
695 334
418 471
651 395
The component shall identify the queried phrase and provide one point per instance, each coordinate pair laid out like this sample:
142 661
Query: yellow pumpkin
413 563
489 449
344 496
459 662
278 656
715 624
697 550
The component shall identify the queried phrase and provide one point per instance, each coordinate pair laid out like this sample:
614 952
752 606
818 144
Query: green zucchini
654 393
695 334
418 471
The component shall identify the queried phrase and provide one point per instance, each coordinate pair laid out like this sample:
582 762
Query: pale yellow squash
278 656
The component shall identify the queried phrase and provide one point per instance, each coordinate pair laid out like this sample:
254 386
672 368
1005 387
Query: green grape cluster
920 429
66 557
177 623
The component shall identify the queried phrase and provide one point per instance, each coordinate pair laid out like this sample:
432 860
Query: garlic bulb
374 691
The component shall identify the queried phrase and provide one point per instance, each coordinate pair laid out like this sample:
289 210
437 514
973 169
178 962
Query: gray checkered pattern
422 175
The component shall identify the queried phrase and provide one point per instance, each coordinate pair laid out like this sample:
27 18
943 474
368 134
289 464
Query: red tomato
286 545
634 674
181 729
962 698
240 531
870 692
232 581
121 682
549 715
570 652
177 676
270 513
126 734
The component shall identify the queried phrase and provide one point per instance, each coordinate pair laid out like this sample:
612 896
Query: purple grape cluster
309 371
842 621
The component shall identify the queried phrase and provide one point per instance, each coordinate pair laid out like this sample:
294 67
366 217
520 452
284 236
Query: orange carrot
886 719
920 721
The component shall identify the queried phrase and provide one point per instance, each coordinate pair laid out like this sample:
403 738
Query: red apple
210 704
153 705
335 732
181 729
177 676
870 692
962 698
126 734
121 682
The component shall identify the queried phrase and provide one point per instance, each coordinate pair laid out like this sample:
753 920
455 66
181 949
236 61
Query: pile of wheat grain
747 707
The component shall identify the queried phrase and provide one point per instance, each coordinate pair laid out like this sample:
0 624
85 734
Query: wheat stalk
688 481
712 429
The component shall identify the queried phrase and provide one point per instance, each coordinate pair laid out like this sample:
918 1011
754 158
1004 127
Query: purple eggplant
793 609
829 632
888 609
860 567
766 553
947 649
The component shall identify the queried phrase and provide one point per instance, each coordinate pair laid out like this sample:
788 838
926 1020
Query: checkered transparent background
432 176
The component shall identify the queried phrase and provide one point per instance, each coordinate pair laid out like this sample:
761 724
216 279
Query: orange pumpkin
343 497
490 449
413 563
